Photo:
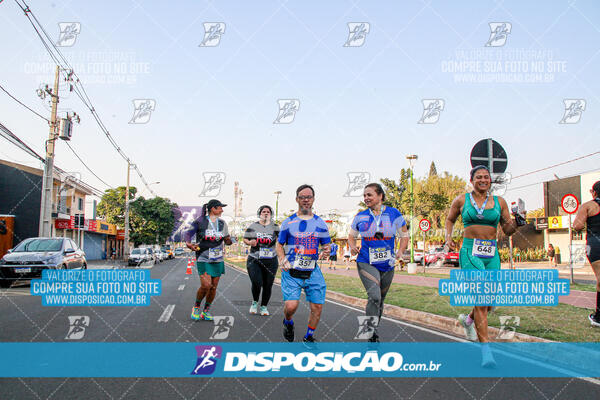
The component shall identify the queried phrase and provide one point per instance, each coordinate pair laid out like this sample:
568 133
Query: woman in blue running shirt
378 226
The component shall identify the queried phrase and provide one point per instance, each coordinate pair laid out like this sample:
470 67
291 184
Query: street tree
112 205
151 220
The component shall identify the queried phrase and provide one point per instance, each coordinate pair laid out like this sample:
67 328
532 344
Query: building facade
20 202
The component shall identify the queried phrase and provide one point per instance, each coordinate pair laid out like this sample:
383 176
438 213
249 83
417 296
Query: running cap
477 168
214 203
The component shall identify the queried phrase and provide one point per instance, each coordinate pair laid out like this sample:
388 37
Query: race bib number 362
379 255
266 252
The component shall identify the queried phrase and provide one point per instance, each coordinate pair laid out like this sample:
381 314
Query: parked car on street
438 258
140 255
29 258
153 253
179 252
418 255
165 254
159 255
169 250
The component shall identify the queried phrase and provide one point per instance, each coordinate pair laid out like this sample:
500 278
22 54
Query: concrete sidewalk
577 298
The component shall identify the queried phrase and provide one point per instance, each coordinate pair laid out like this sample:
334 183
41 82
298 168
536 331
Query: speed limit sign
569 203
424 224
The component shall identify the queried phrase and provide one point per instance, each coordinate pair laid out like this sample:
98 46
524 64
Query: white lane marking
562 370
13 292
180 287
167 313
404 323
187 278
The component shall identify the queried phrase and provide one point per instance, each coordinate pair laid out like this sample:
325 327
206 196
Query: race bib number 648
484 248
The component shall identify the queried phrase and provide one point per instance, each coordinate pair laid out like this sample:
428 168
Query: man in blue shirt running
298 252
333 255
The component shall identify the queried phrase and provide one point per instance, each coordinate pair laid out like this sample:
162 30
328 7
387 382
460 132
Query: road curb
421 318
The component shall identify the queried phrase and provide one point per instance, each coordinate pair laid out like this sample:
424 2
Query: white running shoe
594 319
470 331
487 358
264 311
254 308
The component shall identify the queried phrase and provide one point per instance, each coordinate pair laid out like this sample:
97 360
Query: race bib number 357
303 262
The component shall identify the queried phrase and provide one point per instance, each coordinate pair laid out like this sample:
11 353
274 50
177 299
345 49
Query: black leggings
262 274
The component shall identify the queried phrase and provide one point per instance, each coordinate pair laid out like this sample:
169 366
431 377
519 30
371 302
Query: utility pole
126 240
412 160
45 227
277 206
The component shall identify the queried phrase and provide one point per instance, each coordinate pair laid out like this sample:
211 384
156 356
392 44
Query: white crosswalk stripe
167 313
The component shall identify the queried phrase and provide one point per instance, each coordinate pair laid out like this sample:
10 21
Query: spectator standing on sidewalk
551 254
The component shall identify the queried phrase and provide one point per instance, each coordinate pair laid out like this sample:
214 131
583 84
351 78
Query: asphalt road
23 319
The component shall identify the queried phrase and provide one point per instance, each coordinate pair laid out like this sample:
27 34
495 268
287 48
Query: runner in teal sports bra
481 214
490 217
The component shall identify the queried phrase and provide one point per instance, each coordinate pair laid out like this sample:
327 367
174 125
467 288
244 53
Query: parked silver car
141 255
29 258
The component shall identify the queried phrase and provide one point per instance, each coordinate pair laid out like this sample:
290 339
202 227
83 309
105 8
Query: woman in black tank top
588 216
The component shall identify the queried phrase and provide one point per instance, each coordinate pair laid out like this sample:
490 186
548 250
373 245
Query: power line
556 165
537 183
78 86
85 165
18 101
14 139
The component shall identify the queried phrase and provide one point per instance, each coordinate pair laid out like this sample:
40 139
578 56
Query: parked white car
140 255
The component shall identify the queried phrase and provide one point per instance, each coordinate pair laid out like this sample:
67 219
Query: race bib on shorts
304 262
484 248
266 252
215 253
379 255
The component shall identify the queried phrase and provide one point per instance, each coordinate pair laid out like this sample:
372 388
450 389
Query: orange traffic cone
188 271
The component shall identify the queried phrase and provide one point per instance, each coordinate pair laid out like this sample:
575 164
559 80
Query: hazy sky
359 105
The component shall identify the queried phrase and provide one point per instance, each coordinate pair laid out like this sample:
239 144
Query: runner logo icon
77 325
142 110
432 108
366 326
508 326
580 252
223 325
498 34
207 359
500 183
212 34
356 183
212 184
358 33
287 111
573 110
68 33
